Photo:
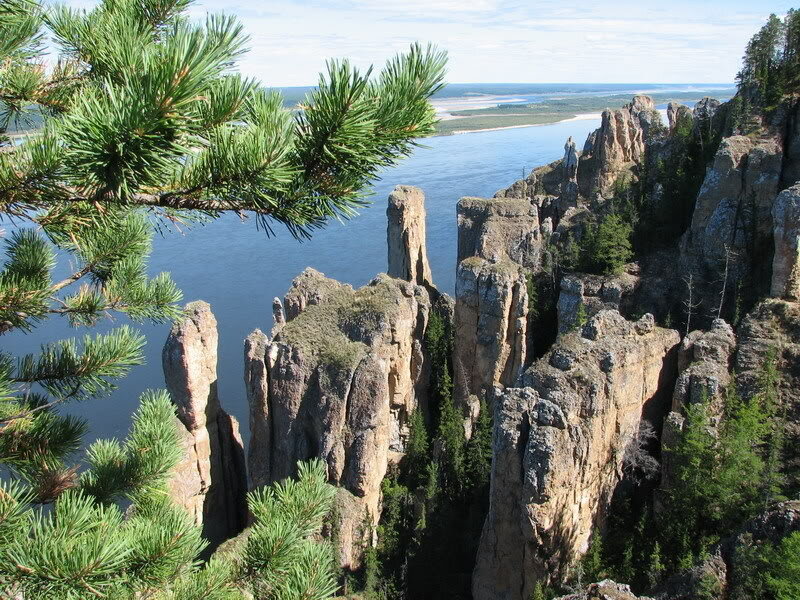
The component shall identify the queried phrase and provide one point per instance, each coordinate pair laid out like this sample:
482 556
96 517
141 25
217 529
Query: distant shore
580 117
460 115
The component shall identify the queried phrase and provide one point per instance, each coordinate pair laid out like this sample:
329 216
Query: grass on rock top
335 331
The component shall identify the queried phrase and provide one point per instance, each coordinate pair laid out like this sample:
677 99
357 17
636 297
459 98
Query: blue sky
671 41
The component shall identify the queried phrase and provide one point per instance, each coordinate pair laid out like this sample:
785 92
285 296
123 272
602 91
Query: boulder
560 444
605 590
211 480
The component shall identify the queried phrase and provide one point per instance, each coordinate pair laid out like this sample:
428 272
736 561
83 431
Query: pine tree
416 458
609 247
478 458
144 123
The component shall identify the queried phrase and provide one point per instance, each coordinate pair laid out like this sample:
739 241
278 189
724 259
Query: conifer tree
143 123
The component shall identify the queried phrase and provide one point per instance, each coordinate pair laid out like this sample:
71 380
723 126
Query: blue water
238 269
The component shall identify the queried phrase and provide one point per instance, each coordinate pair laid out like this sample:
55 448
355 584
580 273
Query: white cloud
501 40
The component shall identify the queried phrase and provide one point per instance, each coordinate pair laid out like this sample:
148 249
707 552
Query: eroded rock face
500 229
786 263
678 113
211 480
592 292
620 141
605 590
490 325
559 447
732 220
704 361
338 382
772 330
408 257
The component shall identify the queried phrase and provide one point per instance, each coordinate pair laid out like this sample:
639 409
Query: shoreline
578 117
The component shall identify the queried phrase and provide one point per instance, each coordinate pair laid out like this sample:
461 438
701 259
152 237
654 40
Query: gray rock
210 482
408 257
559 444
786 262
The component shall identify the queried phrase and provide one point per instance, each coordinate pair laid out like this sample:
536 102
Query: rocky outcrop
408 258
210 481
582 296
786 262
732 219
704 361
678 113
338 381
704 365
772 331
490 324
569 187
605 590
500 229
619 143
560 444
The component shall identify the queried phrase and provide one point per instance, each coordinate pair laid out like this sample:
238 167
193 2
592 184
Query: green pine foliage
144 123
771 68
607 247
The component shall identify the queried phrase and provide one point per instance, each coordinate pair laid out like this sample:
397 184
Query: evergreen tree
144 122
478 459
608 248
416 459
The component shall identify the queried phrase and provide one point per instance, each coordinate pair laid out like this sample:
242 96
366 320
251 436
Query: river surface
238 269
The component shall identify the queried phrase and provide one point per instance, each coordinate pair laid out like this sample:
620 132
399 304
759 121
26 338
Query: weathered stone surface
308 289
605 590
592 292
341 378
619 143
210 481
256 384
732 219
786 263
772 328
705 109
490 325
559 445
499 229
408 257
677 113
569 187
704 360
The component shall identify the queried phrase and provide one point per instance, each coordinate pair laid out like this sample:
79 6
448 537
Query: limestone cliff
560 444
408 257
500 229
490 324
619 143
732 218
338 381
210 481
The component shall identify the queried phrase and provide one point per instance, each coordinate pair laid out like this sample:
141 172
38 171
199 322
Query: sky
508 41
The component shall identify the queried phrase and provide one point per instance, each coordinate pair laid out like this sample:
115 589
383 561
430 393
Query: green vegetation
724 469
144 123
771 63
607 247
435 504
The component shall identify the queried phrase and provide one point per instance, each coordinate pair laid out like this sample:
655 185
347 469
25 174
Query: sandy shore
580 117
